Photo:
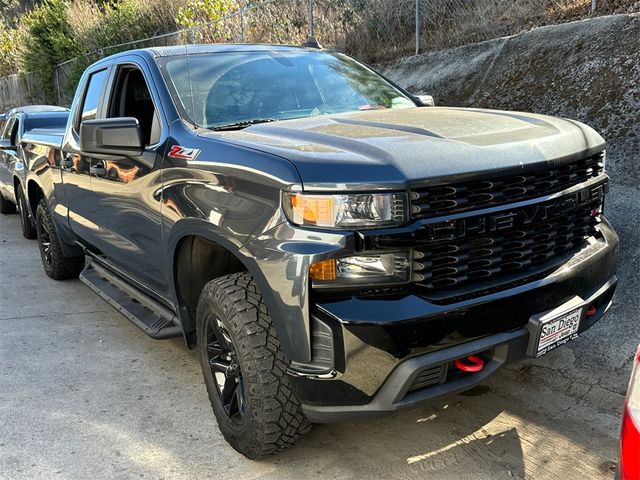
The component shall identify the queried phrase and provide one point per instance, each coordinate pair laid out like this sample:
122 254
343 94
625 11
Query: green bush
8 54
125 21
47 42
199 12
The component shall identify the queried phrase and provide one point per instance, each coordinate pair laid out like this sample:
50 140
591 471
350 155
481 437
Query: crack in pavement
28 317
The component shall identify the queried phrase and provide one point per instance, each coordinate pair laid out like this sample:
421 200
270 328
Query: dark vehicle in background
332 246
14 124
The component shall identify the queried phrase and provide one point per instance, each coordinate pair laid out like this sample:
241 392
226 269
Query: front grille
439 200
459 266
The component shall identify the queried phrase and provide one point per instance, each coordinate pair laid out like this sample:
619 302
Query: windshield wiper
243 124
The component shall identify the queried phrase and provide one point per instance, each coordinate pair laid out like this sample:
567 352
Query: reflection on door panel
75 166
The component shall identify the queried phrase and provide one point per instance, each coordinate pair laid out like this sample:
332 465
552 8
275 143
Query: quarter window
10 130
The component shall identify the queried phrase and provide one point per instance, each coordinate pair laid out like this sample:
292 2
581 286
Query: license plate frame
548 330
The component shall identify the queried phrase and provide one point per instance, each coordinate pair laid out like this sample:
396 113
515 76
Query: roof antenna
312 42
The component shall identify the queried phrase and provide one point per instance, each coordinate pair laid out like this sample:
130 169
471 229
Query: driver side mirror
425 100
111 136
5 144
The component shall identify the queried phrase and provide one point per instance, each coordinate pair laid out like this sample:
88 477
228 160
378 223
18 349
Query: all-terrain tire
273 419
6 206
55 263
28 228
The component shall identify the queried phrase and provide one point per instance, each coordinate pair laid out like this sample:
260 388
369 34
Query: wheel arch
34 194
197 255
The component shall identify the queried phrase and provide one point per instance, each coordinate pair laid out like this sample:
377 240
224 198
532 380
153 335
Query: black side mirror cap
111 136
5 144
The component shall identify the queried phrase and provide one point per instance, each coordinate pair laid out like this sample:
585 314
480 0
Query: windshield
239 88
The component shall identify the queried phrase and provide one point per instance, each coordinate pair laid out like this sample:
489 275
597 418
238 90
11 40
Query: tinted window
92 95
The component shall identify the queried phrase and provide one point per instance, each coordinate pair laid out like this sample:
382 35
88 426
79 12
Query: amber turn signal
323 270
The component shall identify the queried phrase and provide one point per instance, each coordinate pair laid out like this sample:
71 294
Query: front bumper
432 375
395 352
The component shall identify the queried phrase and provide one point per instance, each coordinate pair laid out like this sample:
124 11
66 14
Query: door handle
98 170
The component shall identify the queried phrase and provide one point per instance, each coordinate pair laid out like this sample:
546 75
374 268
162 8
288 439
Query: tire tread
62 267
277 416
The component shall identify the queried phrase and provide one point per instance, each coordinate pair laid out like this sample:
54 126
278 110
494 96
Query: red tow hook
591 311
472 363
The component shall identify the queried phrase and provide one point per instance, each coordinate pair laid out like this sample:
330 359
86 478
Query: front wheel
245 369
55 263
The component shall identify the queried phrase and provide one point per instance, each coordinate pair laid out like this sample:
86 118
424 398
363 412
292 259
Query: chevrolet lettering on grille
505 220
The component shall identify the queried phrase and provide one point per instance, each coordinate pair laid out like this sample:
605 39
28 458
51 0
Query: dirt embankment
587 70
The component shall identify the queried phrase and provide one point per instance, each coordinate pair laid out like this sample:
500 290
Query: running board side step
144 312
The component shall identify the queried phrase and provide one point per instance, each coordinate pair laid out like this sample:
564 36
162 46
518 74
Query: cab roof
159 52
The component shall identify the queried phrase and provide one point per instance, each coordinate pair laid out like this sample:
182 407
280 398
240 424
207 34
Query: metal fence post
311 22
27 77
242 26
417 27
594 4
55 69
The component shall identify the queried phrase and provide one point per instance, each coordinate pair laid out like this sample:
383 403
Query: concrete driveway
84 394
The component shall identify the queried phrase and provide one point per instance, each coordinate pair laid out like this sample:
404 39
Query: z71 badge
183 153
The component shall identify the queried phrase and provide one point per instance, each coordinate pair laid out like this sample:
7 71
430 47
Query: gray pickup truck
13 125
331 245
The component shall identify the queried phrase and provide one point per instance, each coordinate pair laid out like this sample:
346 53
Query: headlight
359 270
359 210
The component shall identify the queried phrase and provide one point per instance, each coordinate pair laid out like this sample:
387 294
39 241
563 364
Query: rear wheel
245 369
28 227
6 206
55 263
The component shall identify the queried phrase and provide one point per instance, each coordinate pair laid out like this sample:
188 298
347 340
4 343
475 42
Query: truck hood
390 148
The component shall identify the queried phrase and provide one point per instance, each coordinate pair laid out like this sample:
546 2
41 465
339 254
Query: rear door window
92 96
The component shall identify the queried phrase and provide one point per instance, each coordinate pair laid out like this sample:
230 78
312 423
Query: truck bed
51 137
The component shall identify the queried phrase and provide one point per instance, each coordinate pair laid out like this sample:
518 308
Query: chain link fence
371 30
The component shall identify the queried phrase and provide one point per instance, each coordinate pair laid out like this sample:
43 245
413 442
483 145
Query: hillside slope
589 71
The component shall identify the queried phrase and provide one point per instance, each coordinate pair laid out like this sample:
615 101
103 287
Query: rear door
75 165
126 199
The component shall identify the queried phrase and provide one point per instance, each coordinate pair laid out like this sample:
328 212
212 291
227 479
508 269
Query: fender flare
204 229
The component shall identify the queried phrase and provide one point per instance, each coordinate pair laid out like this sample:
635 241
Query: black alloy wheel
45 241
225 369
56 264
